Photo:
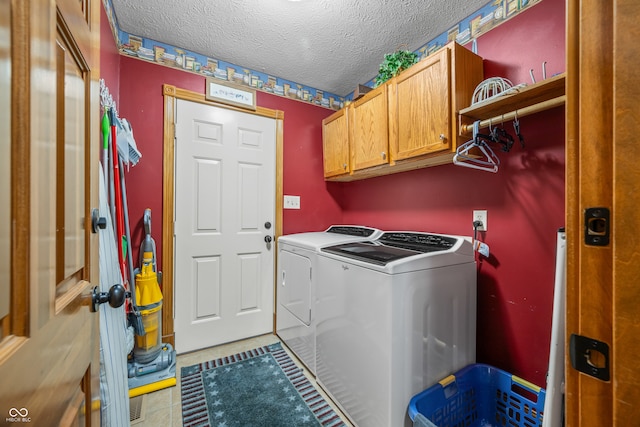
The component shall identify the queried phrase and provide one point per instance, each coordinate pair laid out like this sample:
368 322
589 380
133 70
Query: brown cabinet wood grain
419 109
335 141
368 130
408 122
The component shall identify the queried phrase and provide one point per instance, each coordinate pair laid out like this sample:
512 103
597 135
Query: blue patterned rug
262 387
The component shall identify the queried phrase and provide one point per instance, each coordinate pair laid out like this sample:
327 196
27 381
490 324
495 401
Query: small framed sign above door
230 94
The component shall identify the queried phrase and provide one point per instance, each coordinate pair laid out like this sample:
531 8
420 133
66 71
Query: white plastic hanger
487 163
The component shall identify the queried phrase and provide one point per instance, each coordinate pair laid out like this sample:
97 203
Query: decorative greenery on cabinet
394 64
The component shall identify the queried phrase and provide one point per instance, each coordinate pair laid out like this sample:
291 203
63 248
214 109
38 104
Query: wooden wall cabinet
408 122
356 137
369 130
335 144
419 109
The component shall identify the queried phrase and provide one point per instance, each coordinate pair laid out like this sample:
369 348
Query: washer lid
371 252
394 246
334 235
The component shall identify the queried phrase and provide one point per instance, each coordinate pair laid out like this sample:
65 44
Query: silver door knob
268 239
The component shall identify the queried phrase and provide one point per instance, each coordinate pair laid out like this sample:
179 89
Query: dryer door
295 285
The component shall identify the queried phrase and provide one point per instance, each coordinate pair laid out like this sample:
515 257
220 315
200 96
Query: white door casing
224 198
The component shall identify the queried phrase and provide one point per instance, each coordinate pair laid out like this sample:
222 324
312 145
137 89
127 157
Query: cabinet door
368 130
335 144
419 108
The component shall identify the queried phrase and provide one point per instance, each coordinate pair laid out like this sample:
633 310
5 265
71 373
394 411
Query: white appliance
297 259
394 316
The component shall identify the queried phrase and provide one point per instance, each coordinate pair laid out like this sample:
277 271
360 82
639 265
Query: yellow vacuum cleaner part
159 385
149 300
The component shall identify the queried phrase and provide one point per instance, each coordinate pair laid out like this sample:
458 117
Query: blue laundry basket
481 396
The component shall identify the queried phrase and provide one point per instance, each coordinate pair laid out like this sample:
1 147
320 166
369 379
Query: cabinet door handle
384 155
442 137
344 166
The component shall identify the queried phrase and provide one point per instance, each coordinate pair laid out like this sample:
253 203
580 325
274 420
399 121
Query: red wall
303 169
525 202
109 58
141 102
525 199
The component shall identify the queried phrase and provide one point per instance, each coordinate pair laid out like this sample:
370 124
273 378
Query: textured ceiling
331 45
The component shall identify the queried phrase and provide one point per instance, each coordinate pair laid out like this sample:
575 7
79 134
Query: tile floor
163 407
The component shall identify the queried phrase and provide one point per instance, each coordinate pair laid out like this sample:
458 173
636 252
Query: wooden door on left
49 354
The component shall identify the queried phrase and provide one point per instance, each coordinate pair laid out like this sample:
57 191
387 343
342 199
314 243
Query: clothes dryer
394 316
297 259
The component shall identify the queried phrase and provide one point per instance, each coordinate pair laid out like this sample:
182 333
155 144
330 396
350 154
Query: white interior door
224 210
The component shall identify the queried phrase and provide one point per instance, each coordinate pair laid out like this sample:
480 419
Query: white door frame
171 94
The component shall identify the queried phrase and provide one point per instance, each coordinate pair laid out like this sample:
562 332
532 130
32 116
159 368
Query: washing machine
297 259
394 316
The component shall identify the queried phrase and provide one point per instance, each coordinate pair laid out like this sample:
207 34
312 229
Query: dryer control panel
351 230
420 242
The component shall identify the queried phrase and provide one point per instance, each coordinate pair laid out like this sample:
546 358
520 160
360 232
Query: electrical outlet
482 217
291 202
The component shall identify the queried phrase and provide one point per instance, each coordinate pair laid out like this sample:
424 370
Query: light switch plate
291 202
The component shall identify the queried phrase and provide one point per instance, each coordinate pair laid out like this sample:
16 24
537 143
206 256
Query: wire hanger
487 163
500 136
516 128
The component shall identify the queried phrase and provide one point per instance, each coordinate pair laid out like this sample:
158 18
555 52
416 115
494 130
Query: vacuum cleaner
152 363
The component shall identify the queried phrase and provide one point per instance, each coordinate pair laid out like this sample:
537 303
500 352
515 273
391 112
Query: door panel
49 349
249 195
602 132
250 282
207 279
208 196
70 159
224 195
